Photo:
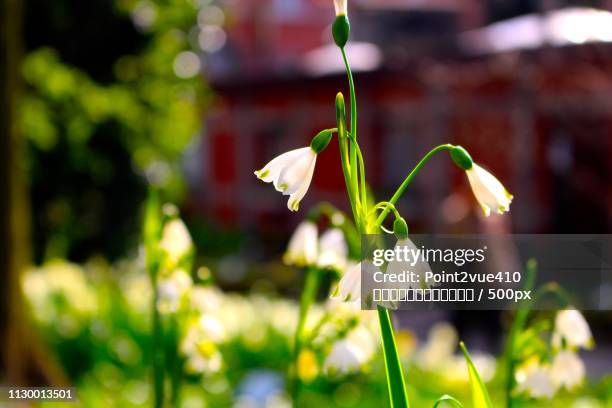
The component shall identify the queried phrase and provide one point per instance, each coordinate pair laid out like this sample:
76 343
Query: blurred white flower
341 7
351 353
349 287
175 241
567 369
206 298
534 379
302 249
199 345
489 192
171 290
332 249
572 327
398 267
291 174
457 368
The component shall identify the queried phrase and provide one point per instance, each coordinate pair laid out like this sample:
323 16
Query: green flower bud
340 114
461 158
321 140
400 228
341 30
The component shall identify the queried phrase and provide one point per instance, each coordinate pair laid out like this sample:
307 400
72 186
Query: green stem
157 350
353 132
151 235
309 294
517 327
342 143
395 376
409 178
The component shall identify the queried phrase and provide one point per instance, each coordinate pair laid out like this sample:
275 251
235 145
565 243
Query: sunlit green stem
309 294
361 204
395 376
344 158
409 179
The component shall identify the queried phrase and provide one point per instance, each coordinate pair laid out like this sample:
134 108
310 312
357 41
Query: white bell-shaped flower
567 369
302 249
418 267
333 249
572 329
351 353
175 241
291 174
349 287
341 7
534 379
490 193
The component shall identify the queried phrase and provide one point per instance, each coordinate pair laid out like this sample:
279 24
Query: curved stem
409 178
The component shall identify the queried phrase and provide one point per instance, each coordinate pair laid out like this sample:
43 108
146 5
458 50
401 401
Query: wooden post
24 360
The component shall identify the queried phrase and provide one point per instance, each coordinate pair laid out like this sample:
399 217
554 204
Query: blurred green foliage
93 145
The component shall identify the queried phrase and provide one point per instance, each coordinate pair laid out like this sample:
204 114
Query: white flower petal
302 248
295 173
535 380
567 370
333 249
341 7
294 199
349 287
291 174
572 327
271 171
398 267
490 193
176 241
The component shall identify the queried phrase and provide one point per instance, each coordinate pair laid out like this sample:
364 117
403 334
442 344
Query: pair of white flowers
566 370
291 174
307 249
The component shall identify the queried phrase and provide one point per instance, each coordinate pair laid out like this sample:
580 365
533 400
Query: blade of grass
480 395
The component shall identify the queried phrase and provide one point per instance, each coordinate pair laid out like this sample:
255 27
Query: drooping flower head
349 287
341 7
175 242
572 329
333 249
534 379
489 192
291 172
567 370
350 353
302 249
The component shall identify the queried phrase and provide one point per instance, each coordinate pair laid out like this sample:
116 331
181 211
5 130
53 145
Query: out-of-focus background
103 98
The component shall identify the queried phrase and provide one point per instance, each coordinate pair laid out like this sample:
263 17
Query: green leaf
449 401
480 395
395 376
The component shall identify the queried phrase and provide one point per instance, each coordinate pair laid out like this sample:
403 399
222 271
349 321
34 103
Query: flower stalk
292 172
